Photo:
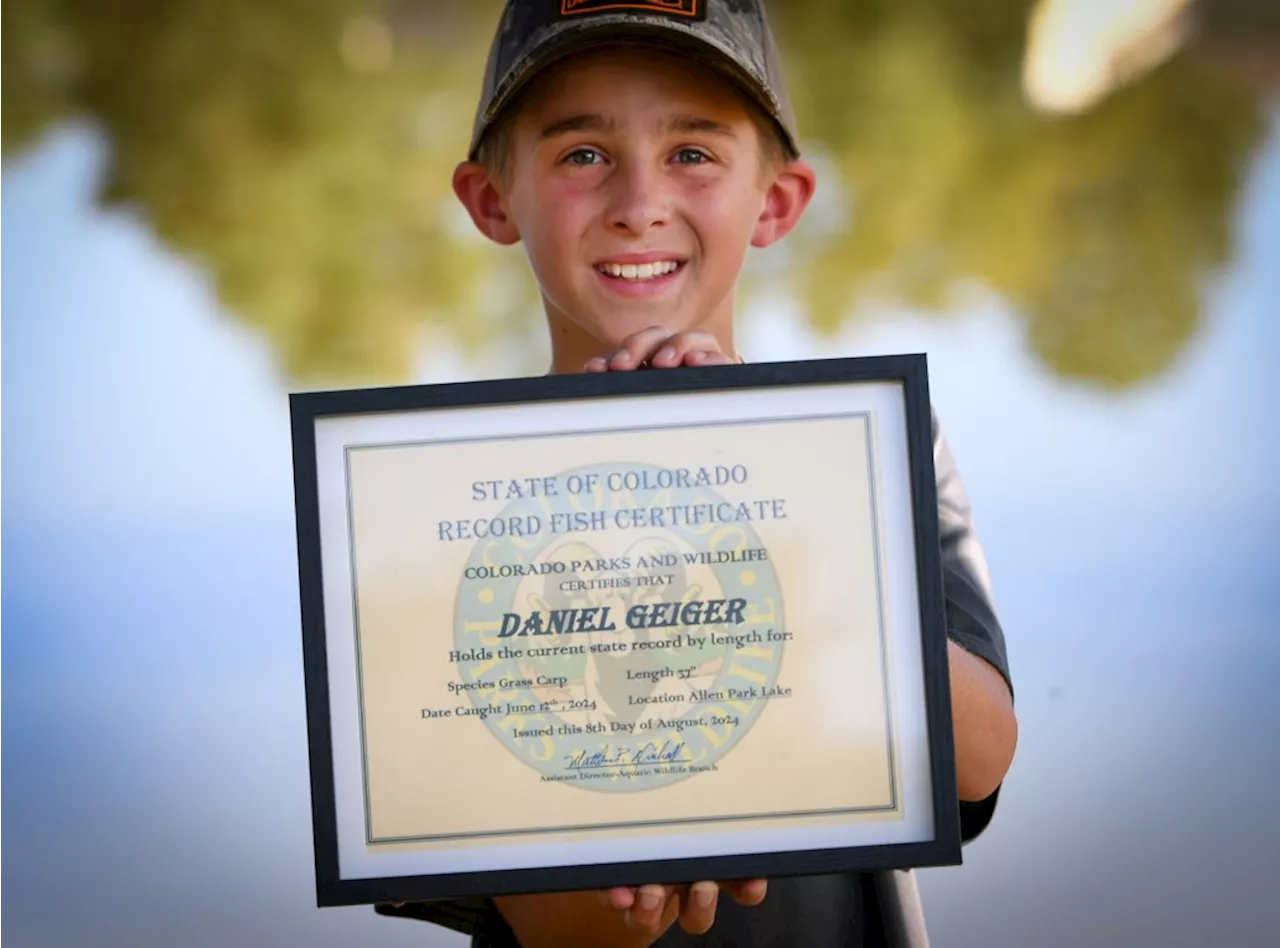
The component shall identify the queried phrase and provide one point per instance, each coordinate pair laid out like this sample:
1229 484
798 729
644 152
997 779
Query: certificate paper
678 625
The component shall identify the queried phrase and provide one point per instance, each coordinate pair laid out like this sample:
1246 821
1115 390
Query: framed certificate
656 626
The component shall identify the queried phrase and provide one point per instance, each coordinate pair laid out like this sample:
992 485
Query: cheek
729 218
554 227
559 218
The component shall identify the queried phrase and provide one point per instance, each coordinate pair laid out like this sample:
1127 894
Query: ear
785 202
480 195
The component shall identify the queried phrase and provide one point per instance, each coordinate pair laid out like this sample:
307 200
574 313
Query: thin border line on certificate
355 625
890 730
520 436
639 824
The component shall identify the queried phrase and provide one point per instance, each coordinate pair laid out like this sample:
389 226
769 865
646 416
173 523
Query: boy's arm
986 730
983 718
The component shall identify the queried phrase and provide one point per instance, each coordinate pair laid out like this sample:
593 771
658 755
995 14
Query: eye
692 156
584 157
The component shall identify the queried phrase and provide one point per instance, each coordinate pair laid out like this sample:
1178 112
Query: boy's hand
646 909
659 348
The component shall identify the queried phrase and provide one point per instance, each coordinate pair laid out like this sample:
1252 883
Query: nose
639 201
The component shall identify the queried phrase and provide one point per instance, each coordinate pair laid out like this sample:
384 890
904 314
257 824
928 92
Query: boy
637 148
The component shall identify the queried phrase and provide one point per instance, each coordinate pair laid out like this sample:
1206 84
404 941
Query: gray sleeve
970 604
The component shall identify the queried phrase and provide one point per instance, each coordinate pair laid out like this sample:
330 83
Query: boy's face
636 182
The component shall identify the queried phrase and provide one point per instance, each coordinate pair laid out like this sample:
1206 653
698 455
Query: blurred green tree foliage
300 151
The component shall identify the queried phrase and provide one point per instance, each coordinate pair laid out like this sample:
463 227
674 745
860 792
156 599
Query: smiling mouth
637 272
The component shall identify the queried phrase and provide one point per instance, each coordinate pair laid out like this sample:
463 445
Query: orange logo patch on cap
685 8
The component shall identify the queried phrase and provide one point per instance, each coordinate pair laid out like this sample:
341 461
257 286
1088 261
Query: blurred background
1073 206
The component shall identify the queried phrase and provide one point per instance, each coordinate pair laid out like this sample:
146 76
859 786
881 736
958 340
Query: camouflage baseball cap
733 36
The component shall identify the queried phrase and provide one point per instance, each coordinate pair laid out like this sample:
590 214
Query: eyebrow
585 122
592 122
696 123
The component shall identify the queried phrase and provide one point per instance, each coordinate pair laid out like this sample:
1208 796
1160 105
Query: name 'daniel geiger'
656 615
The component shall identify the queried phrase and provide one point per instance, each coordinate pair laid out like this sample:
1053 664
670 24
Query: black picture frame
909 371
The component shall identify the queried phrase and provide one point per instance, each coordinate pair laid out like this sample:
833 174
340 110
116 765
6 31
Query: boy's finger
698 907
747 891
645 914
598 364
638 348
679 347
619 897
702 357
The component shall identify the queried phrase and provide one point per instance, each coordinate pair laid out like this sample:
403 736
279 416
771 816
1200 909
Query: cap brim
656 33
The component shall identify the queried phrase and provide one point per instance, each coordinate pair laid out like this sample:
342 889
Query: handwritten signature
650 753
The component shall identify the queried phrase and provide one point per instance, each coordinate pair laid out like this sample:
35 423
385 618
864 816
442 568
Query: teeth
639 271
